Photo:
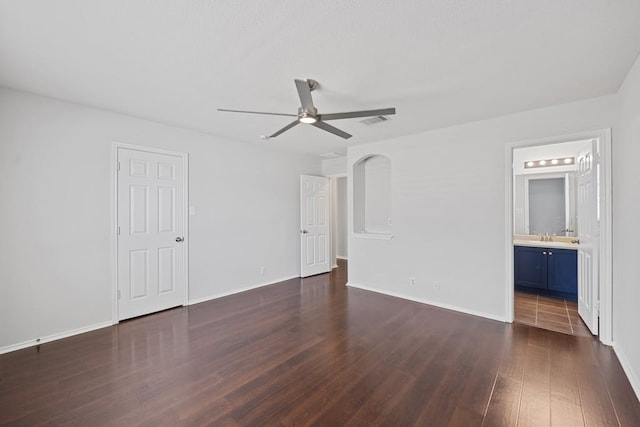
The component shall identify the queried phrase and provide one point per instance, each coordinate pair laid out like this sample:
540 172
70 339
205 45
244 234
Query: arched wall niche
372 195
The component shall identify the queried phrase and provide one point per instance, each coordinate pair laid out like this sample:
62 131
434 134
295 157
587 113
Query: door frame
334 205
605 237
114 217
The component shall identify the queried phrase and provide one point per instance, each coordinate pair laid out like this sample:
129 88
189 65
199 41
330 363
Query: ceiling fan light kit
308 113
306 117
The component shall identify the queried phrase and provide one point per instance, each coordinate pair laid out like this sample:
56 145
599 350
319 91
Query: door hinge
598 307
118 166
118 230
118 293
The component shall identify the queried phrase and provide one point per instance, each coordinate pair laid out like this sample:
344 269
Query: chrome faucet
546 237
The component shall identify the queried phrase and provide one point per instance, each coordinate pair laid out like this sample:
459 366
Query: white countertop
539 244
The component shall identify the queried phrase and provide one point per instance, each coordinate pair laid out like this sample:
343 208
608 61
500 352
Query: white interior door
151 253
315 249
588 283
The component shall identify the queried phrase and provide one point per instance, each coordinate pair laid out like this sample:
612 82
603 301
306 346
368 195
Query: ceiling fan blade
333 130
354 114
284 129
304 92
256 112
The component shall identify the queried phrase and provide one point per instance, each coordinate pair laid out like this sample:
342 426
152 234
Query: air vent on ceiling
373 120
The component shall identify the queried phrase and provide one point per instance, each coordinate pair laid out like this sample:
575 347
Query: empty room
239 213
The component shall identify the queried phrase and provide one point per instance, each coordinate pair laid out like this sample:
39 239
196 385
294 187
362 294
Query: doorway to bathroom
559 234
339 228
338 222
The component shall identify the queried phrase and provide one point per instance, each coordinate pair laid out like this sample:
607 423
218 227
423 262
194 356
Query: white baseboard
342 257
237 291
429 302
54 337
628 369
334 266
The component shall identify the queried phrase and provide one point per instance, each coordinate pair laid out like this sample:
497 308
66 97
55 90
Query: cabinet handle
544 253
550 253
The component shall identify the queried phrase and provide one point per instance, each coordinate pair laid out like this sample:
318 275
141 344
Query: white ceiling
440 62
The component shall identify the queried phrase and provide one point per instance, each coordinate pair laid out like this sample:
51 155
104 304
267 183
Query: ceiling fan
308 113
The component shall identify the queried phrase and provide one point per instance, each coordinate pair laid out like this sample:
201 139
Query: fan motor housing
306 116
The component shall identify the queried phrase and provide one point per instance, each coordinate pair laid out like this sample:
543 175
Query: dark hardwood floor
314 352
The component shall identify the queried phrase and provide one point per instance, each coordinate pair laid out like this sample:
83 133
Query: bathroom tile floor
555 314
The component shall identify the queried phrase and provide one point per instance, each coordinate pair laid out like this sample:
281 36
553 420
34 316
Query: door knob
304 231
179 239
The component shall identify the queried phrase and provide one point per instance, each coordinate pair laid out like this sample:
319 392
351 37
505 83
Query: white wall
336 166
56 210
449 207
626 228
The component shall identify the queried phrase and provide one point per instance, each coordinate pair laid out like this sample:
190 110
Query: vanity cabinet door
530 267
563 270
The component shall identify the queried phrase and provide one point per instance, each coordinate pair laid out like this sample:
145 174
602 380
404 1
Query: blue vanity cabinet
563 271
530 267
546 271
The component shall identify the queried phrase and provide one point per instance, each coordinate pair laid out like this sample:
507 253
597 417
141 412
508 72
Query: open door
587 220
315 248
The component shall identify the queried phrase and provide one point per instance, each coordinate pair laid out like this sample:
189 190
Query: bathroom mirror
545 203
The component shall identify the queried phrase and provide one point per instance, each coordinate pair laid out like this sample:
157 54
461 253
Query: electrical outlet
263 270
412 281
